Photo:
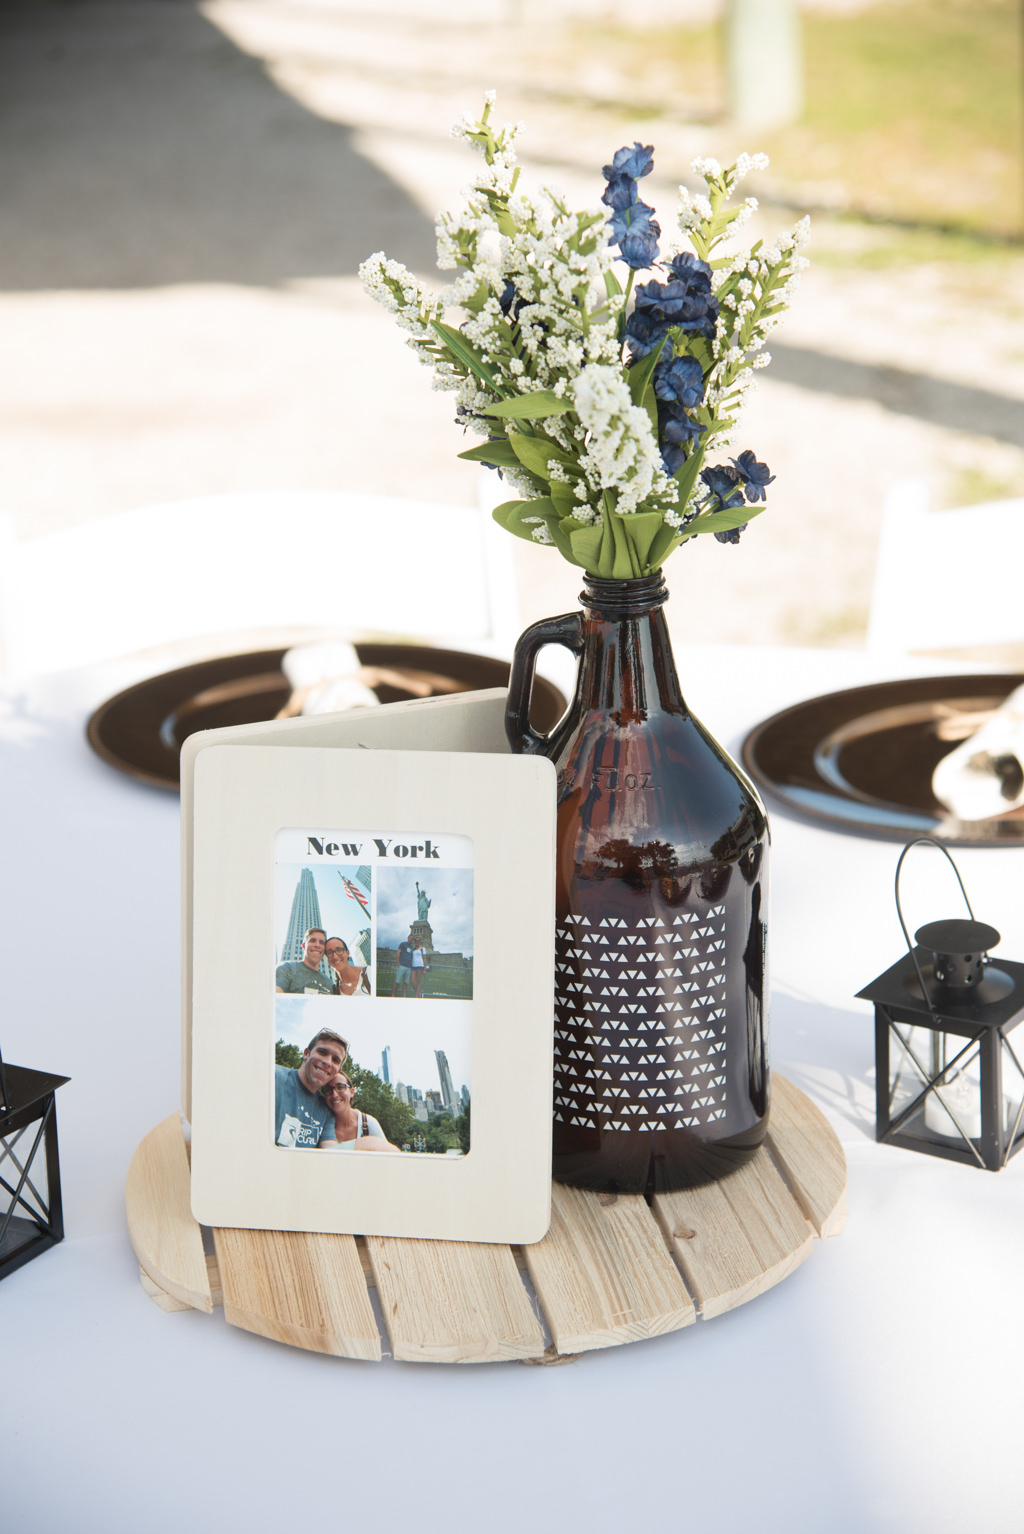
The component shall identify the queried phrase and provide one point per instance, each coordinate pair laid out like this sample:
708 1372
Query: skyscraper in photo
385 1064
305 914
451 1102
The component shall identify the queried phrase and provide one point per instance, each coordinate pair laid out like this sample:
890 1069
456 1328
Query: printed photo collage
372 976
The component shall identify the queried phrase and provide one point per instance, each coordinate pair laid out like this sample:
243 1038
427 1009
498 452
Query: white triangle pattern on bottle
640 1021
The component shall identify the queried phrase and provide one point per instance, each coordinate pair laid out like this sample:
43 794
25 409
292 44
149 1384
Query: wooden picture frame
497 812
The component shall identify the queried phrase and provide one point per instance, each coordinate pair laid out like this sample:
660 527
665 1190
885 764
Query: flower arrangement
598 411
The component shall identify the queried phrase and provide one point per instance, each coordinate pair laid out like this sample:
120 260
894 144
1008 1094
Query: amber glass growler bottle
661 1073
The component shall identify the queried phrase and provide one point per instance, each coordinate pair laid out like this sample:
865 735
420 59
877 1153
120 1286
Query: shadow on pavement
957 407
139 148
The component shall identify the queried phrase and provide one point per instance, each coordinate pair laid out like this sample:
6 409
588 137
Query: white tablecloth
876 1389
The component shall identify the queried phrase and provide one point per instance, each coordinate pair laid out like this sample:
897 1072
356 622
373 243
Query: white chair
947 580
226 570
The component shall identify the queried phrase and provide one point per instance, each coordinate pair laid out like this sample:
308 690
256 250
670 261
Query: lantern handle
920 842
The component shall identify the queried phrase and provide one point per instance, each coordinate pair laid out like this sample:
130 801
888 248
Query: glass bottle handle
566 630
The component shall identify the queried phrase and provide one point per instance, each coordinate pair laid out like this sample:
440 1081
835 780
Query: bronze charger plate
861 760
141 730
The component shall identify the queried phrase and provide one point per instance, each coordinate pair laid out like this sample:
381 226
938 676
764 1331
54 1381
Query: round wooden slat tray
611 1269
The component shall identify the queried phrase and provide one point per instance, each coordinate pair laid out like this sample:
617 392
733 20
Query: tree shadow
139 147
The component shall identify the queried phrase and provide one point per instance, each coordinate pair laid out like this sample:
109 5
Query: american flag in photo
355 892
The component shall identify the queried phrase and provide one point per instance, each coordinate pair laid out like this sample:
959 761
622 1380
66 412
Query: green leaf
562 495
513 515
642 527
507 509
640 374
624 564
724 521
586 545
510 515
665 540
498 452
466 353
535 453
686 475
700 349
530 407
504 220
612 285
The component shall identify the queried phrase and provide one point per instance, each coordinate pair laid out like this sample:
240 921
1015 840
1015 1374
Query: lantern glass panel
31 1217
24 1195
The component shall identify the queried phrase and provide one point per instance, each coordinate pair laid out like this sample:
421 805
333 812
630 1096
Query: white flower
745 214
622 453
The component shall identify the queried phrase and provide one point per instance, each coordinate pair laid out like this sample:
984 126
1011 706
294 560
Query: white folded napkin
325 679
984 776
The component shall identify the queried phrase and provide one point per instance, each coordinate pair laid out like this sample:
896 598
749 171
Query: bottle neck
627 667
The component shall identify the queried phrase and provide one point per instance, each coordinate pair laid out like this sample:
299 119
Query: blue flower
680 381
733 535
635 218
635 162
755 476
639 246
677 428
636 232
687 302
632 226
672 458
620 193
643 334
687 267
721 482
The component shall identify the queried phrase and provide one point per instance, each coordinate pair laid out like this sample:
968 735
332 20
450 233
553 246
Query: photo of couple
322 919
301 976
417 1101
313 1103
425 934
410 967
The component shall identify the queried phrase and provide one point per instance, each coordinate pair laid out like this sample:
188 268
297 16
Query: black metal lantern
31 1218
948 1081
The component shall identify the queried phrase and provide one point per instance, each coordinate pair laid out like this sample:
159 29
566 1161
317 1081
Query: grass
438 982
877 246
973 485
915 109
913 112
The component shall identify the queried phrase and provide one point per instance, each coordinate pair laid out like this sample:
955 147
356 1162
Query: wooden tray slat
736 1238
603 1273
802 1143
453 1301
167 1240
306 1290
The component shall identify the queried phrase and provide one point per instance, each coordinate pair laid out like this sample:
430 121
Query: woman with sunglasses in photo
348 977
353 1129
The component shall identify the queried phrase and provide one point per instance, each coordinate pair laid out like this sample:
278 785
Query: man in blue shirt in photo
302 1120
302 976
403 968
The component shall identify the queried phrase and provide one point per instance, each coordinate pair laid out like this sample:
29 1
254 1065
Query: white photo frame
241 797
